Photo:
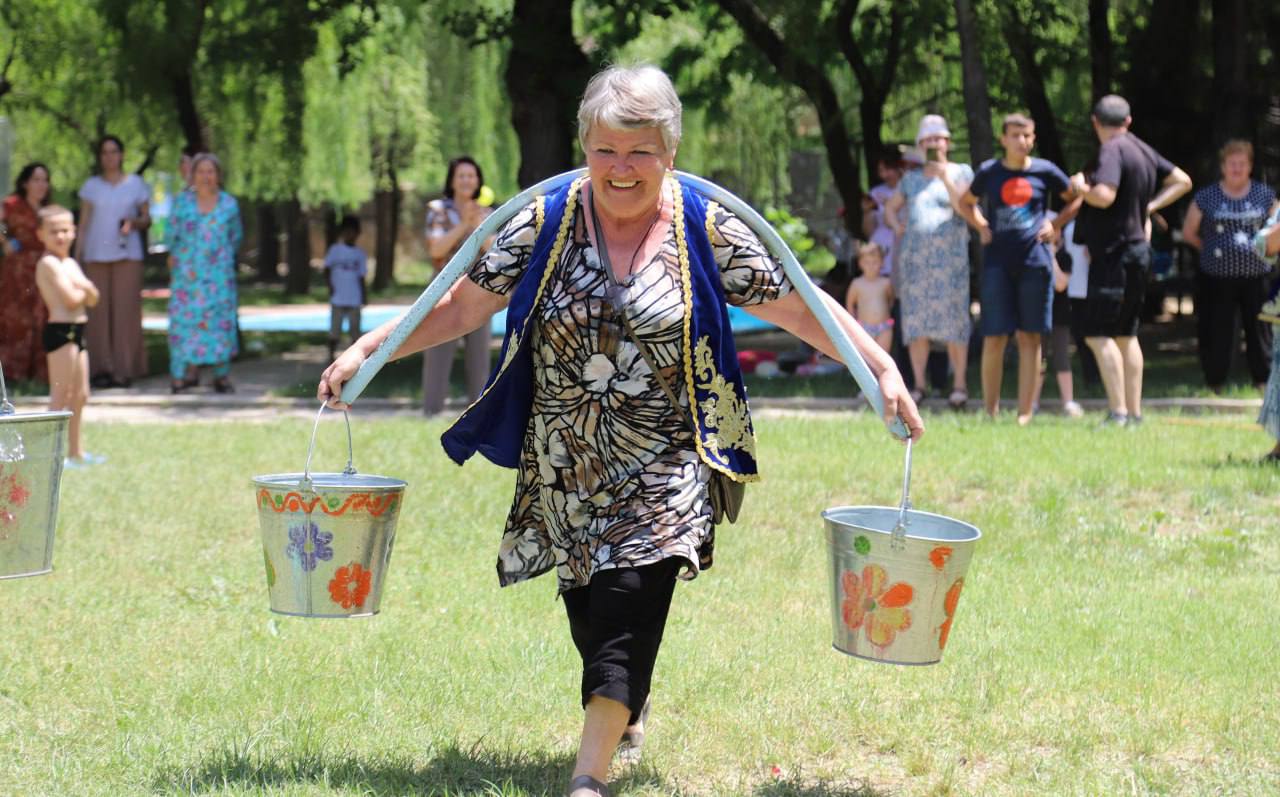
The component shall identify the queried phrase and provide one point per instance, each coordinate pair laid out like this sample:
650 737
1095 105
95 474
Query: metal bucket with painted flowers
31 450
327 537
896 576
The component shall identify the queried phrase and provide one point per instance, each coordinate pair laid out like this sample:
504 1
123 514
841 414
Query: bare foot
1024 420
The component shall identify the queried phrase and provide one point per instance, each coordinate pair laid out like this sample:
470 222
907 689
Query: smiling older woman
612 478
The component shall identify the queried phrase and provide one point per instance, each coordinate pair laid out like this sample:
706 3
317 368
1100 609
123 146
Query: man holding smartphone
1131 182
1017 274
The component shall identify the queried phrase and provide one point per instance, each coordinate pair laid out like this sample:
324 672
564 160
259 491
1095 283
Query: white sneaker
84 460
1072 409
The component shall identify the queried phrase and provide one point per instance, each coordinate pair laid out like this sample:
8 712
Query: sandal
633 741
958 399
178 385
917 396
588 782
223 385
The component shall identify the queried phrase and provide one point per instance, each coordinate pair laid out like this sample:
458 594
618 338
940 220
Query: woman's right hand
338 374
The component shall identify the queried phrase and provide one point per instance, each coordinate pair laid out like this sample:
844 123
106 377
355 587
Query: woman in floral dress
204 236
22 313
612 479
932 259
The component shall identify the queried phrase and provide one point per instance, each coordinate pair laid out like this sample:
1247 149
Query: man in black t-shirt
1131 181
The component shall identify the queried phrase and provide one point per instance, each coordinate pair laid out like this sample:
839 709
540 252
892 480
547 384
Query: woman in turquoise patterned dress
932 259
1267 242
204 234
612 472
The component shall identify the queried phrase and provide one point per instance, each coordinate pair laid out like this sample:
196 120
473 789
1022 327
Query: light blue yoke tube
456 267
808 291
466 255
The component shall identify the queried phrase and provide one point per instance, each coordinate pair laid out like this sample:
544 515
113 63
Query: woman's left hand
898 403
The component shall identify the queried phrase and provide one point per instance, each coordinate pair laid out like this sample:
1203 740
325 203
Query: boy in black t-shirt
1132 181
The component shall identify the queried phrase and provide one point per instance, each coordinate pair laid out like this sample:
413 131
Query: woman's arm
1191 226
235 227
464 308
792 314
86 216
142 220
956 189
892 208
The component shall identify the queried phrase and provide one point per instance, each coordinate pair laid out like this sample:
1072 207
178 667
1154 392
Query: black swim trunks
58 334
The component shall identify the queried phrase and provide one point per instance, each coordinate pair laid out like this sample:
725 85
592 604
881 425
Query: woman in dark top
1221 223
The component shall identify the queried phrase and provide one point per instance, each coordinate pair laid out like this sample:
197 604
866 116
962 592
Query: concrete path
260 381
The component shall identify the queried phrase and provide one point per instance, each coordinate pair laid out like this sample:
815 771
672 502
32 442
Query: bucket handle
5 407
306 470
898 538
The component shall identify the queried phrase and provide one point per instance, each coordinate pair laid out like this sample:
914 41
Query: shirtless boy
66 292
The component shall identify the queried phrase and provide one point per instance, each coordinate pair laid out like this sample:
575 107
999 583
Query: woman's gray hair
201 157
628 98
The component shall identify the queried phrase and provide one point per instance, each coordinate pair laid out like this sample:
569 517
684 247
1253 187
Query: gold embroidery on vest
725 414
720 432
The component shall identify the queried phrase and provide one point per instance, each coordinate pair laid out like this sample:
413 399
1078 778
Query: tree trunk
298 244
1100 48
545 76
1233 99
818 88
977 103
268 243
386 209
297 247
1023 49
184 98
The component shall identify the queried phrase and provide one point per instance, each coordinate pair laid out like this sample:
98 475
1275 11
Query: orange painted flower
940 555
350 585
949 606
873 604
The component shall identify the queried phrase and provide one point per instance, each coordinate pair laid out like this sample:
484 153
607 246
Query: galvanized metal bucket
31 451
896 575
327 537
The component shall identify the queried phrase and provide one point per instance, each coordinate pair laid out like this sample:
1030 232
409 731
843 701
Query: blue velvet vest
496 424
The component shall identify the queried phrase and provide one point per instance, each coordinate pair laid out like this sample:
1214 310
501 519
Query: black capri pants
617 622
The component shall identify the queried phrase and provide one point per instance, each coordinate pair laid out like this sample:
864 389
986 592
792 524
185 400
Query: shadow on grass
451 772
789 788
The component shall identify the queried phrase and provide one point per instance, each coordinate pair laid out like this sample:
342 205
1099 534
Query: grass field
1116 633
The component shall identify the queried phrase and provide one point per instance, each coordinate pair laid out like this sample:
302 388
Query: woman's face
1236 168
466 181
110 156
626 169
37 187
205 177
889 174
936 142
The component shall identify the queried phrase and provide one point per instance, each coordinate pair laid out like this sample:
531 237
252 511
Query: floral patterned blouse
609 476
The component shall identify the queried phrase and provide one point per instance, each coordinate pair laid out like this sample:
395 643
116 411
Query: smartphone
934 154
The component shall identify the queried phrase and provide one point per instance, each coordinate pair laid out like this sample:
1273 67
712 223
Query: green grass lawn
1115 636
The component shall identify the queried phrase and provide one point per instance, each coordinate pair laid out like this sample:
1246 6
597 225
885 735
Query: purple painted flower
309 545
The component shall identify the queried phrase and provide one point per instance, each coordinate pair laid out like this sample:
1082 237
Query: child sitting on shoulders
870 296
346 265
66 291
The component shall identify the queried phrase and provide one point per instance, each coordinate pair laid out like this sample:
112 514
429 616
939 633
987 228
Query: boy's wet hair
871 248
349 224
52 212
